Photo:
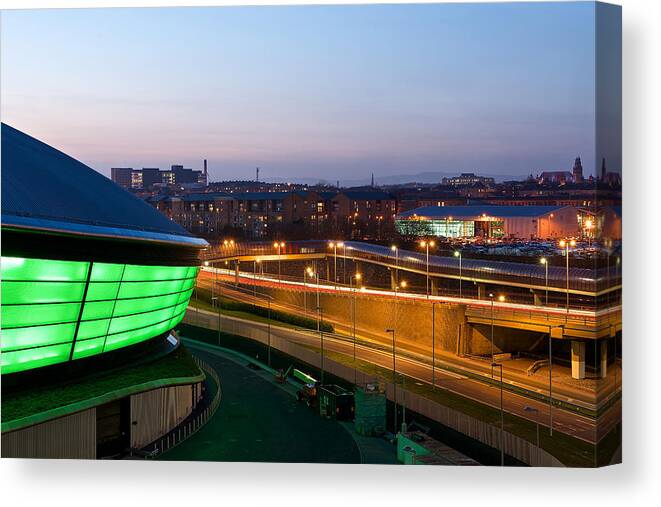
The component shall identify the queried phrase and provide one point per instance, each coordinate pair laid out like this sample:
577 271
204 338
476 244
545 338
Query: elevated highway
585 322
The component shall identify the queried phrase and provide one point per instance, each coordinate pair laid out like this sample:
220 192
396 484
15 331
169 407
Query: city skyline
390 90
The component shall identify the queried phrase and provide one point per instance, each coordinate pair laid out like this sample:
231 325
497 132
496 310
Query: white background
636 482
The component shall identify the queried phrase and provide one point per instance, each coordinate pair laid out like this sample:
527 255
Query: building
488 221
148 177
93 282
577 171
468 179
555 177
122 176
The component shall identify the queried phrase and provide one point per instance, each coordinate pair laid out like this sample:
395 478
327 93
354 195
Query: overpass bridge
525 285
535 278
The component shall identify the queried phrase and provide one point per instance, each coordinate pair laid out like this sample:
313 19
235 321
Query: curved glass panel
55 311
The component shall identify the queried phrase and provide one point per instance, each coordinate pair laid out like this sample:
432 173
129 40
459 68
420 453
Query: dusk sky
308 92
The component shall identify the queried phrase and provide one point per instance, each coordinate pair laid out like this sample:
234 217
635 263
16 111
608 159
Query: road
586 396
584 428
260 422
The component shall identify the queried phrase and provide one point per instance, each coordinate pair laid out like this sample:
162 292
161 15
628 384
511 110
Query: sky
308 92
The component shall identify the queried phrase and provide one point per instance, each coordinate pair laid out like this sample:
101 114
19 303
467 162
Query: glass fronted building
490 221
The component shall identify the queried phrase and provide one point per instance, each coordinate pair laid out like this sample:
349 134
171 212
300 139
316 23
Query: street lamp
306 272
279 245
501 298
254 277
502 417
396 250
357 277
433 345
536 412
457 253
426 245
566 244
394 373
334 245
545 262
321 339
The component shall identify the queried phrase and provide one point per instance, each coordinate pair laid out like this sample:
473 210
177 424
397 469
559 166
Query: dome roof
45 189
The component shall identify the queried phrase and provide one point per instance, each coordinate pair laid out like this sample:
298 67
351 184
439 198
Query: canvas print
378 234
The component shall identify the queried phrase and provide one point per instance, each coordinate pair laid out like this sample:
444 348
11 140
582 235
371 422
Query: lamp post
544 261
306 272
433 345
566 243
457 253
344 263
396 250
550 386
353 289
254 277
502 416
426 245
394 374
334 245
279 246
268 330
321 339
536 412
501 298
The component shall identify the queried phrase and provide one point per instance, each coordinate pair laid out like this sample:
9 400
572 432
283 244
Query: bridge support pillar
537 298
393 279
603 349
577 359
236 273
481 291
433 286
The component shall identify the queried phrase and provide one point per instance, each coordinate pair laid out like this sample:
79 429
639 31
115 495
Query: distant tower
257 176
206 174
603 169
577 171
372 180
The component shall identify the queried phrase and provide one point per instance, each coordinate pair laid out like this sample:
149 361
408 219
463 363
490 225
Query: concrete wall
74 436
413 321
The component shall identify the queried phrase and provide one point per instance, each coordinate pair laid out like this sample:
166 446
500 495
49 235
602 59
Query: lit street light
457 253
254 277
353 289
545 262
426 245
321 339
334 245
306 272
501 298
502 416
279 246
566 243
396 250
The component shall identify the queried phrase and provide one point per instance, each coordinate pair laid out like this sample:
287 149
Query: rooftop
474 211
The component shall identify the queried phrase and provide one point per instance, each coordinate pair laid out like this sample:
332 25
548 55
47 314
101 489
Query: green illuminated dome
87 268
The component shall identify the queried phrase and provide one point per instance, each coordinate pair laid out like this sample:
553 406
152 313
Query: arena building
93 279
